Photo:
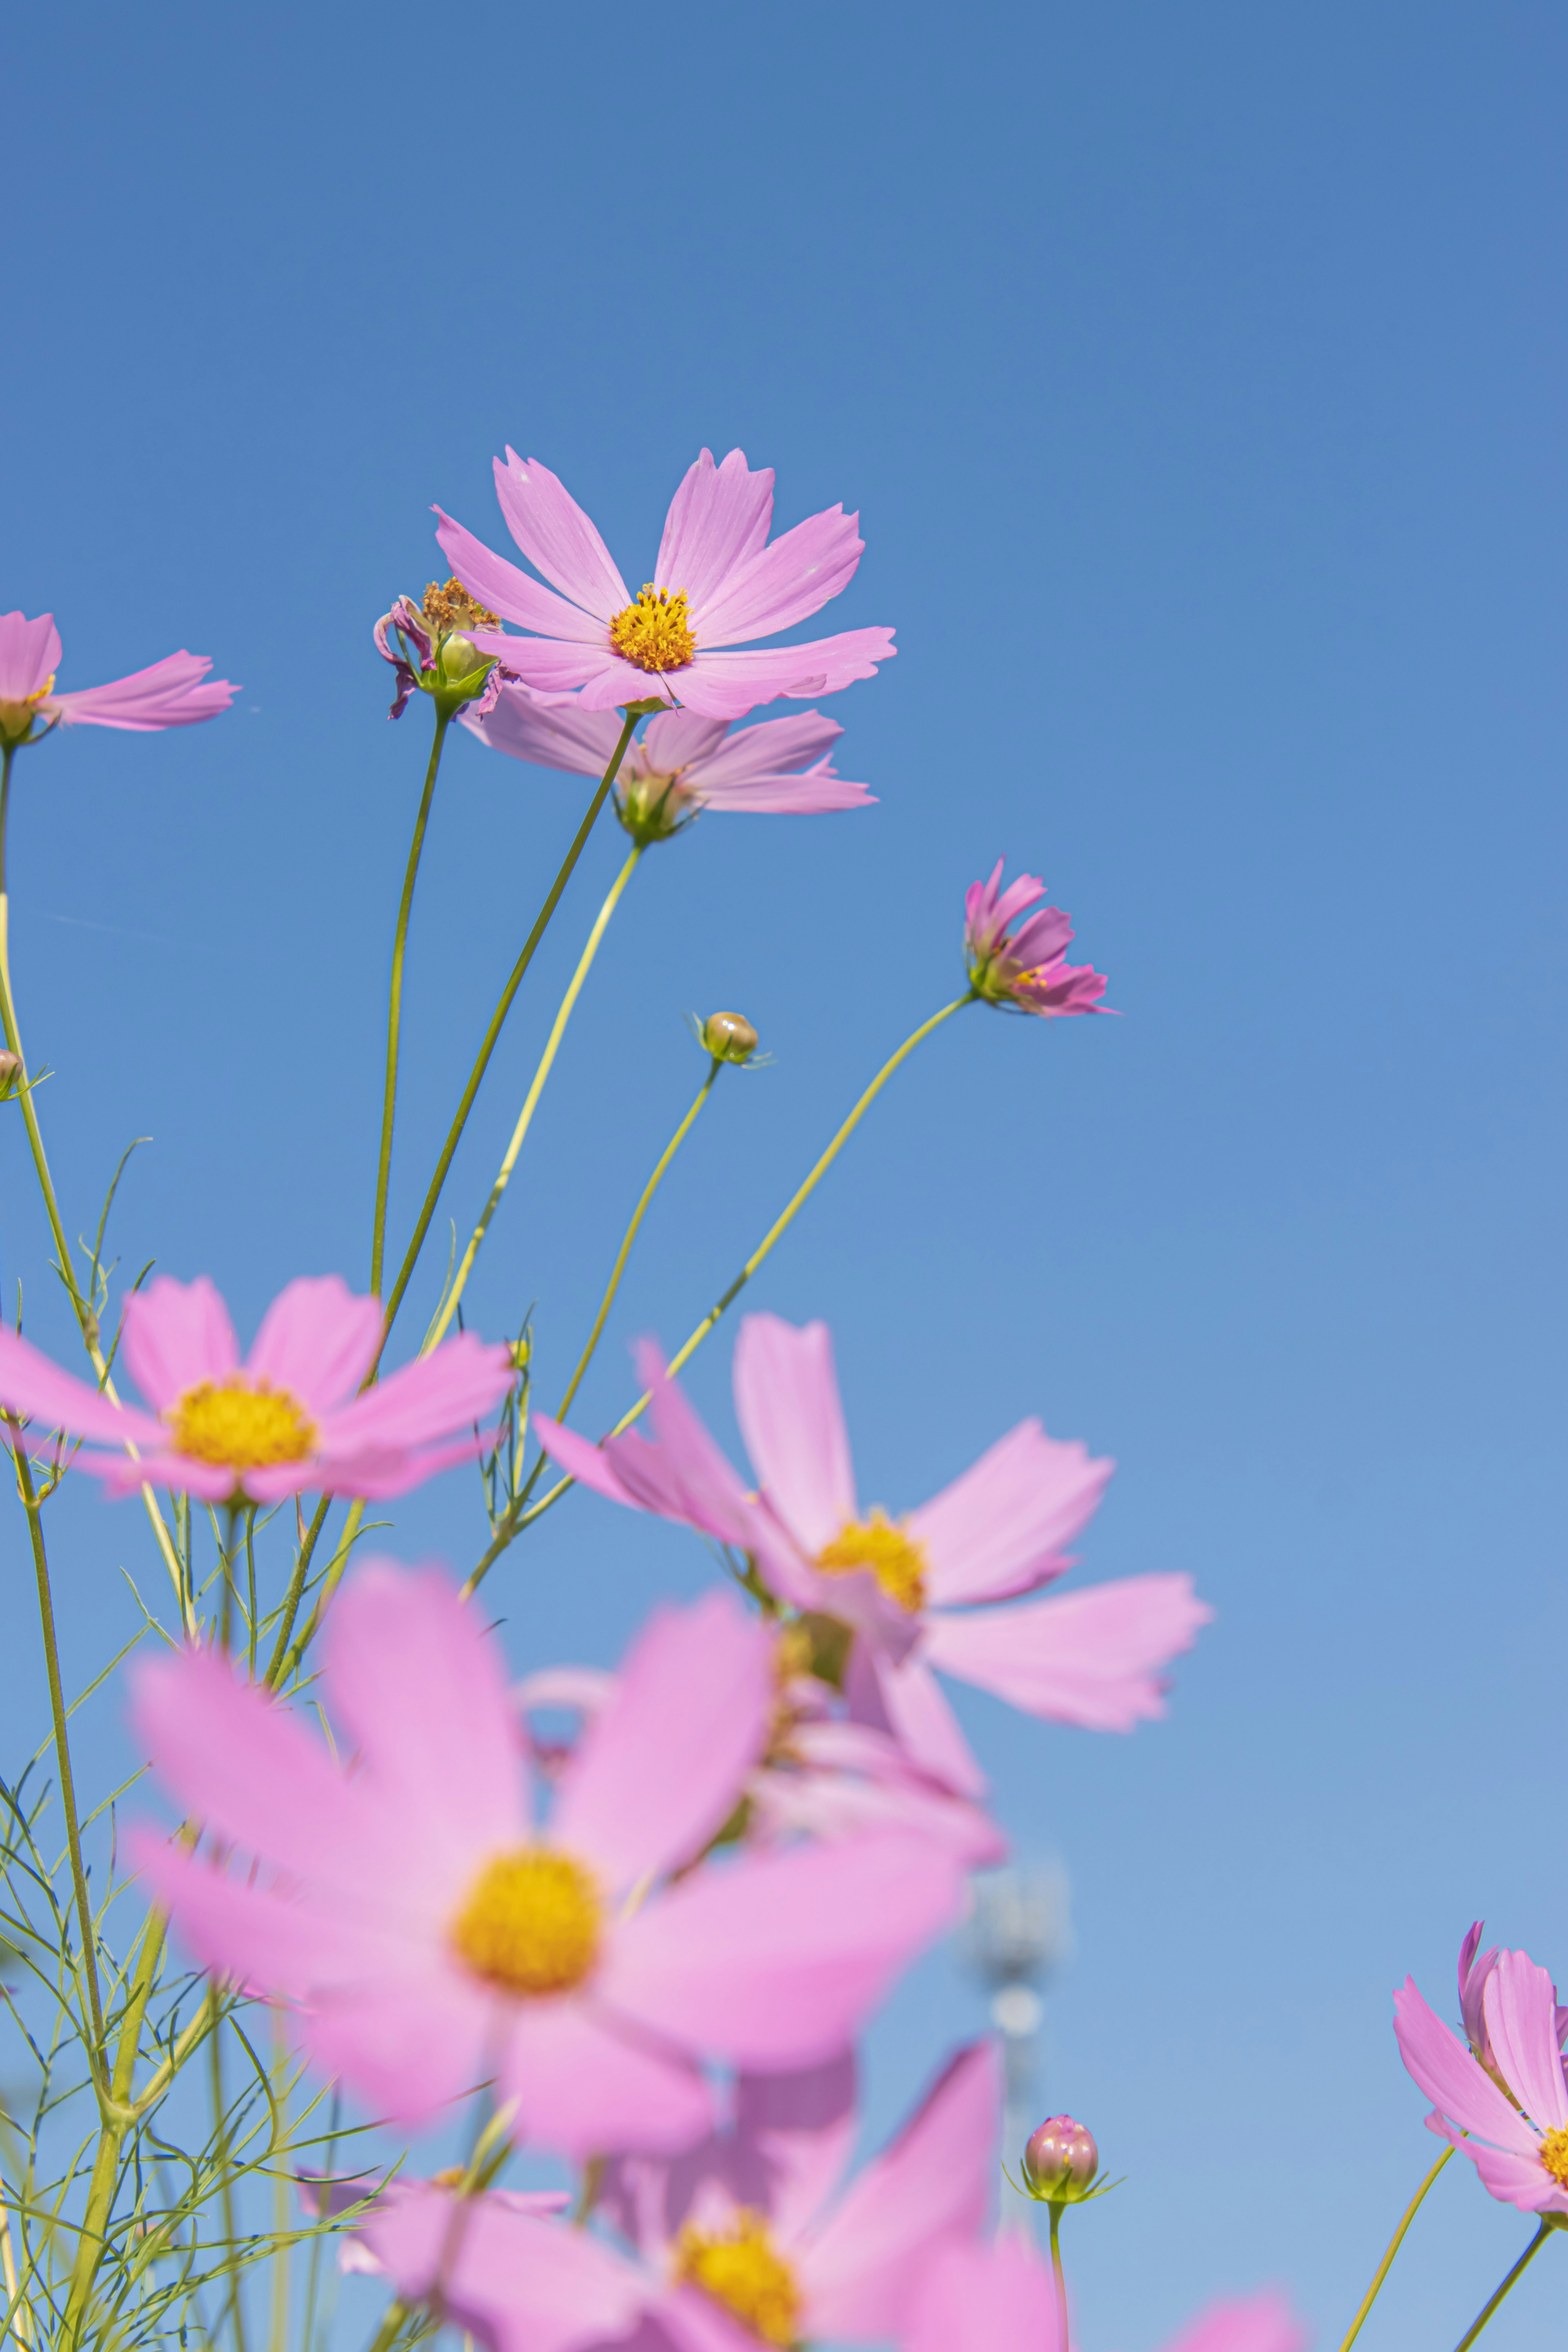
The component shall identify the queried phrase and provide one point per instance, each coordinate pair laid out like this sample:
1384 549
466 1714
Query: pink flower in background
174 692
433 1936
1526 2163
716 583
1000 2298
779 769
288 1419
1027 968
906 1586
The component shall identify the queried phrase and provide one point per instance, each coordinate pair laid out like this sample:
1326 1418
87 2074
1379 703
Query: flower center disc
741 2270
656 632
1554 2154
240 1427
531 1923
894 1558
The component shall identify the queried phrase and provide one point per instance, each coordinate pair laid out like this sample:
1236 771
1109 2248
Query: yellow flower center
1554 2154
741 2270
452 607
894 1558
17 716
656 632
241 1426
530 1923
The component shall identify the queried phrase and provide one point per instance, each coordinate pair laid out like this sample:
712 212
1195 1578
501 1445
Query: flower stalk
394 998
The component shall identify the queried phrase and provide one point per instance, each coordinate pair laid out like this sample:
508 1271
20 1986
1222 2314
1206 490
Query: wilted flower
1026 967
1519 2103
432 650
173 692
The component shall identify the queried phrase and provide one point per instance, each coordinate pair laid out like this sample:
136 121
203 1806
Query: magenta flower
1026 967
906 1586
432 1936
1519 2103
174 692
716 583
288 1419
999 2298
683 763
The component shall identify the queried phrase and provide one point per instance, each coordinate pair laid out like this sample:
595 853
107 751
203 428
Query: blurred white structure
1018 1933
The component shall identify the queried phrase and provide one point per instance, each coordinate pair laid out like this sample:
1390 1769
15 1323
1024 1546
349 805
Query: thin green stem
106 2162
394 1001
1370 2297
1063 2338
295 1593
525 1117
280 2214
225 2180
1470 2333
330 1583
392 2324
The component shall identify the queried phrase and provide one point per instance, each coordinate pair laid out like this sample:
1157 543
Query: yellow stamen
741 2270
1554 2154
17 716
452 607
894 1558
530 1923
241 1425
656 632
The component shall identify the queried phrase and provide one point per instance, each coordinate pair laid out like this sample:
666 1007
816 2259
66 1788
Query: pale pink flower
907 1587
1519 2103
1475 1967
1026 967
174 692
1000 2298
290 1418
431 1934
716 583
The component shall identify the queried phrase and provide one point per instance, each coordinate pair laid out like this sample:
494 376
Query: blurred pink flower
288 1419
1473 2104
779 769
1028 968
716 582
432 1937
1089 1658
174 692
999 2298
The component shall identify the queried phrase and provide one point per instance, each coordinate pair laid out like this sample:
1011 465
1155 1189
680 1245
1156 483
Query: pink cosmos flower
1519 2103
1026 967
684 762
174 692
288 1419
432 1935
716 583
907 1587
999 2298
1475 1969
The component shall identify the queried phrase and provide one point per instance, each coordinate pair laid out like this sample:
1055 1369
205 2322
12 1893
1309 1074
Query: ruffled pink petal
31 1382
1439 2063
556 667
662 1767
509 592
173 692
597 1466
1511 2178
1258 2323
861 2273
459 1382
728 684
514 2282
557 537
776 586
175 1336
819 792
547 735
679 739
996 2298
1520 2007
786 1401
904 1699
30 654
317 1340
776 1961
583 2082
1091 1658
999 1529
715 1498
615 681
377 1473
762 754
718 519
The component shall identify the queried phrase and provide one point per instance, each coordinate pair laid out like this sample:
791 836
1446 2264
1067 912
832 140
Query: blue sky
1197 373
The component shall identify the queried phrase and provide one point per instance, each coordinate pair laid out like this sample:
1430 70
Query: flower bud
10 1071
1060 2160
729 1037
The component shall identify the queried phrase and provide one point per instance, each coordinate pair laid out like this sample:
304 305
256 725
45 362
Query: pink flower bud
1060 2160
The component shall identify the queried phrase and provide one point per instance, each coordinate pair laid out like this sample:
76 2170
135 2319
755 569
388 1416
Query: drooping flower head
1508 2116
1026 968
287 1420
431 647
173 692
431 1933
717 584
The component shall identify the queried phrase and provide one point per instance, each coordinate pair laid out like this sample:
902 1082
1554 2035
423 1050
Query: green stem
225 2180
390 2326
1470 2333
394 1001
1370 2297
525 1117
295 1593
330 1583
106 2163
1063 2338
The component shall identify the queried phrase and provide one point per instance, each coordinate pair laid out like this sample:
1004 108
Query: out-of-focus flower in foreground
1026 967
906 1586
433 1936
1526 2163
289 1419
430 646
716 583
999 2298
174 692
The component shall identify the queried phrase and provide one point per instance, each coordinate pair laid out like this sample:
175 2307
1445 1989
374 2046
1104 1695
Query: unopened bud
10 1071
1060 2160
729 1037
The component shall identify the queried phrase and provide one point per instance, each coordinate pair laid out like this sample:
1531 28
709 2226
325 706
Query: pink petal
1258 2323
376 1472
794 2137
31 1382
662 1769
862 2273
459 1382
595 1466
904 1698
210 1482
514 2282
553 666
1520 2007
407 2046
30 654
178 1335
713 1495
1522 2181
1089 1658
776 586
718 518
1439 2065
728 684
779 747
257 1939
996 2298
547 735
557 537
999 1529
317 1340
820 791
173 692
583 2082
786 1401
509 592
677 739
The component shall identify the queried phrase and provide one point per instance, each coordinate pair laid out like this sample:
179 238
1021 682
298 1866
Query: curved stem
394 1001
1370 2297
1470 2333
525 1117
1060 2277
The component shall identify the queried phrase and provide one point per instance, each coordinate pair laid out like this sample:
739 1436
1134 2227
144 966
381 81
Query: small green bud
729 1037
10 1073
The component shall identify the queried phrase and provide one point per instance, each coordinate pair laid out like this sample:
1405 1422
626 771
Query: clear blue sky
1198 374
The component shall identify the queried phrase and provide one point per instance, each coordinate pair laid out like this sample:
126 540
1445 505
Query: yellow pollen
530 1923
452 607
241 1426
656 632
741 2270
895 1558
17 716
1554 2154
